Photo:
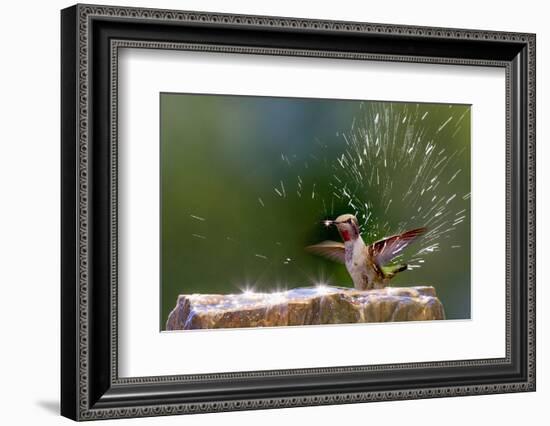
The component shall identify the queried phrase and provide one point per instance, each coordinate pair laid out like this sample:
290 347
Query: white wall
29 211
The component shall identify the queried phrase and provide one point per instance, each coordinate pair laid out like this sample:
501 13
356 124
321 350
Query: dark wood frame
91 37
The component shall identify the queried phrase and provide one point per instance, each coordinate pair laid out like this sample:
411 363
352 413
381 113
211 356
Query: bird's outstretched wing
330 249
386 249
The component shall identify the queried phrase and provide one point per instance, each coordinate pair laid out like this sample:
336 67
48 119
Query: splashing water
394 173
388 148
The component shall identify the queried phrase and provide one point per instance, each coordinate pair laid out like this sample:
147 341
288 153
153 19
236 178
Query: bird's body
368 265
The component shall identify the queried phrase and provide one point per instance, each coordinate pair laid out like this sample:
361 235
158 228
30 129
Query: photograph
280 211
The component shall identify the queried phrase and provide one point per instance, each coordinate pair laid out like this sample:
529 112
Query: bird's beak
327 223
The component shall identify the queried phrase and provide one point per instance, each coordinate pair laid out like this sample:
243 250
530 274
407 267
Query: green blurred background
246 182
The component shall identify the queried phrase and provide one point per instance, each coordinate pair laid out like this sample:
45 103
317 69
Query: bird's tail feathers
390 270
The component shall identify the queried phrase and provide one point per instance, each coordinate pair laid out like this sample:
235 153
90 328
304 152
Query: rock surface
305 306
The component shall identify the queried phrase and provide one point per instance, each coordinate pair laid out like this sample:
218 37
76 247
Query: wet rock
305 306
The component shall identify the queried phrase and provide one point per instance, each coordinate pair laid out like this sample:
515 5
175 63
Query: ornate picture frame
91 37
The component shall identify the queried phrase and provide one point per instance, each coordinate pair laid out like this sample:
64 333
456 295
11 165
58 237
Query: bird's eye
349 221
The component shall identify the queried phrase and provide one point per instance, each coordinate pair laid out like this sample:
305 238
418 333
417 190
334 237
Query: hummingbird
368 265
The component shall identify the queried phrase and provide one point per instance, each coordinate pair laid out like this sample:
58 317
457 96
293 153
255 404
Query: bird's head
347 225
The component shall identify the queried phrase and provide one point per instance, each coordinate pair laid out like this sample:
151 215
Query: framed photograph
263 212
